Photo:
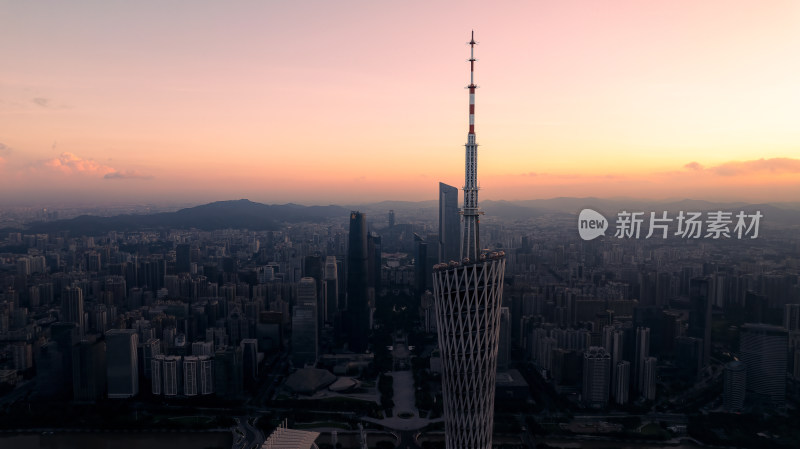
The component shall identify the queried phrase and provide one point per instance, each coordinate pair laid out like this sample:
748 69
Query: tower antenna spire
470 245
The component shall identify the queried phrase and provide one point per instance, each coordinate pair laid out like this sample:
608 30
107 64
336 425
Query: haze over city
257 225
319 102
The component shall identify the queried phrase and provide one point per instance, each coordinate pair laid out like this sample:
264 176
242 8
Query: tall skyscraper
313 268
331 280
150 349
191 365
700 314
468 297
250 361
504 342
422 279
734 386
648 387
304 325
374 246
641 355
165 378
156 374
621 382
206 379
228 368
791 317
58 373
183 263
449 221
72 307
617 351
88 370
122 363
688 357
358 283
307 291
762 348
596 377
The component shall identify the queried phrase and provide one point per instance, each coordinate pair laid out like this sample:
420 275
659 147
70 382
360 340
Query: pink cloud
774 165
69 163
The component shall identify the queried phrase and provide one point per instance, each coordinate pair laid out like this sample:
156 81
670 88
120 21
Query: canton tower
467 297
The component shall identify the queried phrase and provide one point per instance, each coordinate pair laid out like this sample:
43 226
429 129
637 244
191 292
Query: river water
154 440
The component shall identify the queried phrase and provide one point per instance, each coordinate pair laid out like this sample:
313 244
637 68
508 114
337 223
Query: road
252 439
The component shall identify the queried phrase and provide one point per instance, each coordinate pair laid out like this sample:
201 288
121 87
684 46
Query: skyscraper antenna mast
470 245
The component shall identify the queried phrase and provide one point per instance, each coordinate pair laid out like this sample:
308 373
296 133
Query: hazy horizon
169 204
363 101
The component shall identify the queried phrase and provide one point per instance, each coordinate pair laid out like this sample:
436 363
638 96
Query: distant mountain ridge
218 215
246 214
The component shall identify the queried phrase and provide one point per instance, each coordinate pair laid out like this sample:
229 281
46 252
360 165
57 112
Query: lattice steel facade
468 298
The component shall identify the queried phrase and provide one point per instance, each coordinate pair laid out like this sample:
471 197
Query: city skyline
142 296
316 103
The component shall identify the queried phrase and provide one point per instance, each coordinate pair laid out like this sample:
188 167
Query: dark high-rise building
206 375
228 372
305 337
313 268
468 295
651 317
422 270
190 368
596 377
151 273
763 349
358 283
755 307
688 357
504 342
641 356
374 249
250 361
621 381
648 387
72 307
449 223
54 367
700 314
734 386
183 261
331 290
791 317
122 363
617 351
166 377
89 370
150 349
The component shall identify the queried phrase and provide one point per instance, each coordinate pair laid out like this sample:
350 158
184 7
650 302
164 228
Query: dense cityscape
329 324
632 280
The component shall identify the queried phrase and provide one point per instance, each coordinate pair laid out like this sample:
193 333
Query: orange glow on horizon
363 102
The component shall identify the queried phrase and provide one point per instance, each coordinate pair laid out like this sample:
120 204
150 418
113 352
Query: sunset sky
321 102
